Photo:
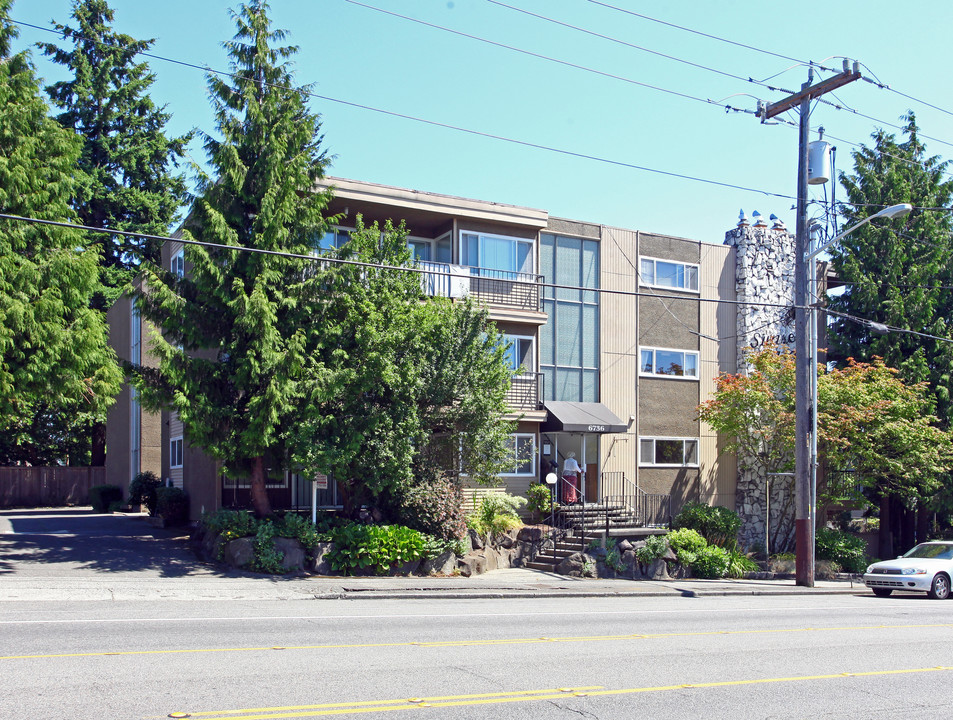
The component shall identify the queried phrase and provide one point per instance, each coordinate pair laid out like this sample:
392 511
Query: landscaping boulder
407 568
476 542
624 546
658 570
292 554
530 534
240 552
444 564
471 564
632 568
320 565
577 565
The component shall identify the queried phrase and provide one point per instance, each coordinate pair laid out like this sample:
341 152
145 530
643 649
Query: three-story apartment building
615 336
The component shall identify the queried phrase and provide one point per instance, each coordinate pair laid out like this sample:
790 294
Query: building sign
782 338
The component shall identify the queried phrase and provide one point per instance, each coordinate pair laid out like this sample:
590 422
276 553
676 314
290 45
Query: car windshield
939 551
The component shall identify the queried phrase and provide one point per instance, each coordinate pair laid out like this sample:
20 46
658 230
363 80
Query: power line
447 126
882 328
374 266
549 58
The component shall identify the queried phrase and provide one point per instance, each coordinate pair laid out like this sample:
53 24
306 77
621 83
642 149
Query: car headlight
870 569
913 571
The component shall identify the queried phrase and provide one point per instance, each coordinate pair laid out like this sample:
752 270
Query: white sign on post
320 481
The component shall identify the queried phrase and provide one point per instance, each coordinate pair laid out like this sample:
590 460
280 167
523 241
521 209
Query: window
178 263
668 274
175 452
496 252
668 452
522 460
673 363
519 354
333 239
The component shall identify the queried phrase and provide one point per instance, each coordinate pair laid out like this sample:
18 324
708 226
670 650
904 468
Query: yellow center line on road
423 703
475 643
411 702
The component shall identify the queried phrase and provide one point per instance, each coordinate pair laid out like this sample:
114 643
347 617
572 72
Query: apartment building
615 337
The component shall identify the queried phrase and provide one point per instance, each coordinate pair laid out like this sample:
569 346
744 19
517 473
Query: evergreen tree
233 362
57 373
896 272
126 168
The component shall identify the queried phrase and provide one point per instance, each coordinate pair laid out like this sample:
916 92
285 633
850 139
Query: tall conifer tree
127 165
237 326
57 373
898 273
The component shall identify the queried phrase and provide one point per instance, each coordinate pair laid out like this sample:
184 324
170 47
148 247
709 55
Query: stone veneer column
764 273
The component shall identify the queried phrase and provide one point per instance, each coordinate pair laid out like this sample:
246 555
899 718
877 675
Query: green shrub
230 524
267 557
433 506
172 505
711 562
686 543
655 547
739 564
142 490
497 513
101 496
845 549
298 528
374 547
718 525
540 499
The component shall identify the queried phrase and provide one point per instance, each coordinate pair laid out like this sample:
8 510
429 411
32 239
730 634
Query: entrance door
585 449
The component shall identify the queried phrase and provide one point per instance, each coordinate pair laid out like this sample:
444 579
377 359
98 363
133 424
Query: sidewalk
510 583
77 555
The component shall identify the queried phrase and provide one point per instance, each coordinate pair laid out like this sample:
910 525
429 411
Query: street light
894 211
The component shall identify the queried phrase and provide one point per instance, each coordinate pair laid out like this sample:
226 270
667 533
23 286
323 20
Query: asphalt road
719 657
102 617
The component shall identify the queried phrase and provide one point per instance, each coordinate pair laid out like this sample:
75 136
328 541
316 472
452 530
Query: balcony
502 288
526 391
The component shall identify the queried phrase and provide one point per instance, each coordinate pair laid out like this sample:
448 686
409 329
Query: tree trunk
908 528
98 445
259 494
885 536
923 522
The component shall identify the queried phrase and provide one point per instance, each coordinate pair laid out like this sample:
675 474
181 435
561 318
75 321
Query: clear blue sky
357 55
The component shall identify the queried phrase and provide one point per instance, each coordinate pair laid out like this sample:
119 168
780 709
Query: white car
926 568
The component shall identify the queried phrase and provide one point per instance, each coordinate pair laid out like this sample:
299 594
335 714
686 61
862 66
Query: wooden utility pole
805 403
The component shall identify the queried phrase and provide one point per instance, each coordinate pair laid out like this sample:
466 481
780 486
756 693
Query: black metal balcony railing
526 391
495 287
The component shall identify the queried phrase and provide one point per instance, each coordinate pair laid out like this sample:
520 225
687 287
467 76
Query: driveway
77 542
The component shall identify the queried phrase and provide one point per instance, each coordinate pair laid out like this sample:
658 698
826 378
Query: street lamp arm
891 212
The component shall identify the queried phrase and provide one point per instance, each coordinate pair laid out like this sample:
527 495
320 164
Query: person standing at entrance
571 471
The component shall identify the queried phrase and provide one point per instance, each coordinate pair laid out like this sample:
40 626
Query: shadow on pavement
65 541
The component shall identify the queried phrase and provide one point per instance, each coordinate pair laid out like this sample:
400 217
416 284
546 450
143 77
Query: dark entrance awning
581 417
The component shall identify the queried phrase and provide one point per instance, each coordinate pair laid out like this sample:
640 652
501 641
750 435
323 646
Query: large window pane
590 336
568 334
547 335
590 270
497 253
669 452
568 384
590 386
568 267
647 452
669 362
669 274
648 362
647 271
547 247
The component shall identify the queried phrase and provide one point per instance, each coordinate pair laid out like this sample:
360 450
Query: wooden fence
48 486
